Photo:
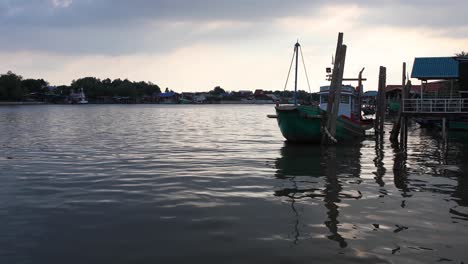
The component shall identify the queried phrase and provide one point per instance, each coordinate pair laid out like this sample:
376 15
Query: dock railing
435 106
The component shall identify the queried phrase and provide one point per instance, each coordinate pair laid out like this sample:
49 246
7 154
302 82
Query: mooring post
406 93
381 103
398 124
331 90
337 88
403 97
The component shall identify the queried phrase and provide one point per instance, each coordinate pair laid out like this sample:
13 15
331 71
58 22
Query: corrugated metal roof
167 95
435 68
370 93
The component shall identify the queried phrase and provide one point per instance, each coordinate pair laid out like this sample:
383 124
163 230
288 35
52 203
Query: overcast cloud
119 26
133 38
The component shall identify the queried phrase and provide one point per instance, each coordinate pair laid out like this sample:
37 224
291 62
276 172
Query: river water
218 184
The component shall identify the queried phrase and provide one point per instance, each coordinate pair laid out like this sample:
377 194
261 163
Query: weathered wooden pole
397 126
381 107
403 97
404 137
337 88
331 90
360 93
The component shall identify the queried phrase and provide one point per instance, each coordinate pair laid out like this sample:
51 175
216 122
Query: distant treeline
14 88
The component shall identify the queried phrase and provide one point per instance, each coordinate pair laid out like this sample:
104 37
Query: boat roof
345 89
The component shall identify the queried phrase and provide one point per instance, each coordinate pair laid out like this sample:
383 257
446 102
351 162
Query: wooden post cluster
334 94
381 102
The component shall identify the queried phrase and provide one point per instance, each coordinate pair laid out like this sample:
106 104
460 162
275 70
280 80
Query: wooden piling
332 90
398 126
404 119
403 97
381 102
337 88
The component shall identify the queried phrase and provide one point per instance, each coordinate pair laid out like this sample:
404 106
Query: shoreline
216 103
23 103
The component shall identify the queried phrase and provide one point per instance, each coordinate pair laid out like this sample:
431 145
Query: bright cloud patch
61 3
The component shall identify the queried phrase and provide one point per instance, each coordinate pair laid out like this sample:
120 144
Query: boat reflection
313 172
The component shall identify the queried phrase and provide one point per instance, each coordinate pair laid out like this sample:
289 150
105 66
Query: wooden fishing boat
306 123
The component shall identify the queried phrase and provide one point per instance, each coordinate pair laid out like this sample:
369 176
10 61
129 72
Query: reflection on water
163 184
299 162
340 179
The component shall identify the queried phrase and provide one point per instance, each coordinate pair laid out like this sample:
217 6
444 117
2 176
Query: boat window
345 99
324 99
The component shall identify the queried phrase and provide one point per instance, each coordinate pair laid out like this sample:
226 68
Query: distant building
168 98
431 89
200 98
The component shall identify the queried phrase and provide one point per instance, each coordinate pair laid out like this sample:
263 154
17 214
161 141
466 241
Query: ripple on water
153 182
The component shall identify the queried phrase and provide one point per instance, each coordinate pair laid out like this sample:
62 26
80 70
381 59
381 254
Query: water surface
218 184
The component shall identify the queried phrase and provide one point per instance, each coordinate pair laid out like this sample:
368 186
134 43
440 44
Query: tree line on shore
14 87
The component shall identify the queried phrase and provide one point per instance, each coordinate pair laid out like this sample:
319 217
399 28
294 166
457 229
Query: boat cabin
348 106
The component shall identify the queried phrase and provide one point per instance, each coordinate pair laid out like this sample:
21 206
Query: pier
443 107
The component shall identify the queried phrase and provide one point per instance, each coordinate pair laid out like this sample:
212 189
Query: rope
329 135
305 70
289 72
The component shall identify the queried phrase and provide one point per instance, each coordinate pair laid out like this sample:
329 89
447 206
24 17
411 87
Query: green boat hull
393 106
454 125
300 124
458 125
304 124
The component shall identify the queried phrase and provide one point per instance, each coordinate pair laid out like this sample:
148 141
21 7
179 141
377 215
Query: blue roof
370 93
435 68
166 95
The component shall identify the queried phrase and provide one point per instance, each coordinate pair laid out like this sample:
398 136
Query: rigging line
289 72
305 70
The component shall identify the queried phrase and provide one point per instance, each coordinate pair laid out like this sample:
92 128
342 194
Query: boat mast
296 51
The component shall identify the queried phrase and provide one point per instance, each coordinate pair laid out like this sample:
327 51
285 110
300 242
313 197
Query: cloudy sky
190 45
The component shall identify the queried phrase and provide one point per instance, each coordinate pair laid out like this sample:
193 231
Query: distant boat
82 98
304 123
77 98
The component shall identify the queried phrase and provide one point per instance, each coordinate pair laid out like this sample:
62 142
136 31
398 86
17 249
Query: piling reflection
332 193
460 195
315 172
438 160
378 161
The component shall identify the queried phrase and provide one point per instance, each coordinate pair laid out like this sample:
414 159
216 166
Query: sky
195 45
